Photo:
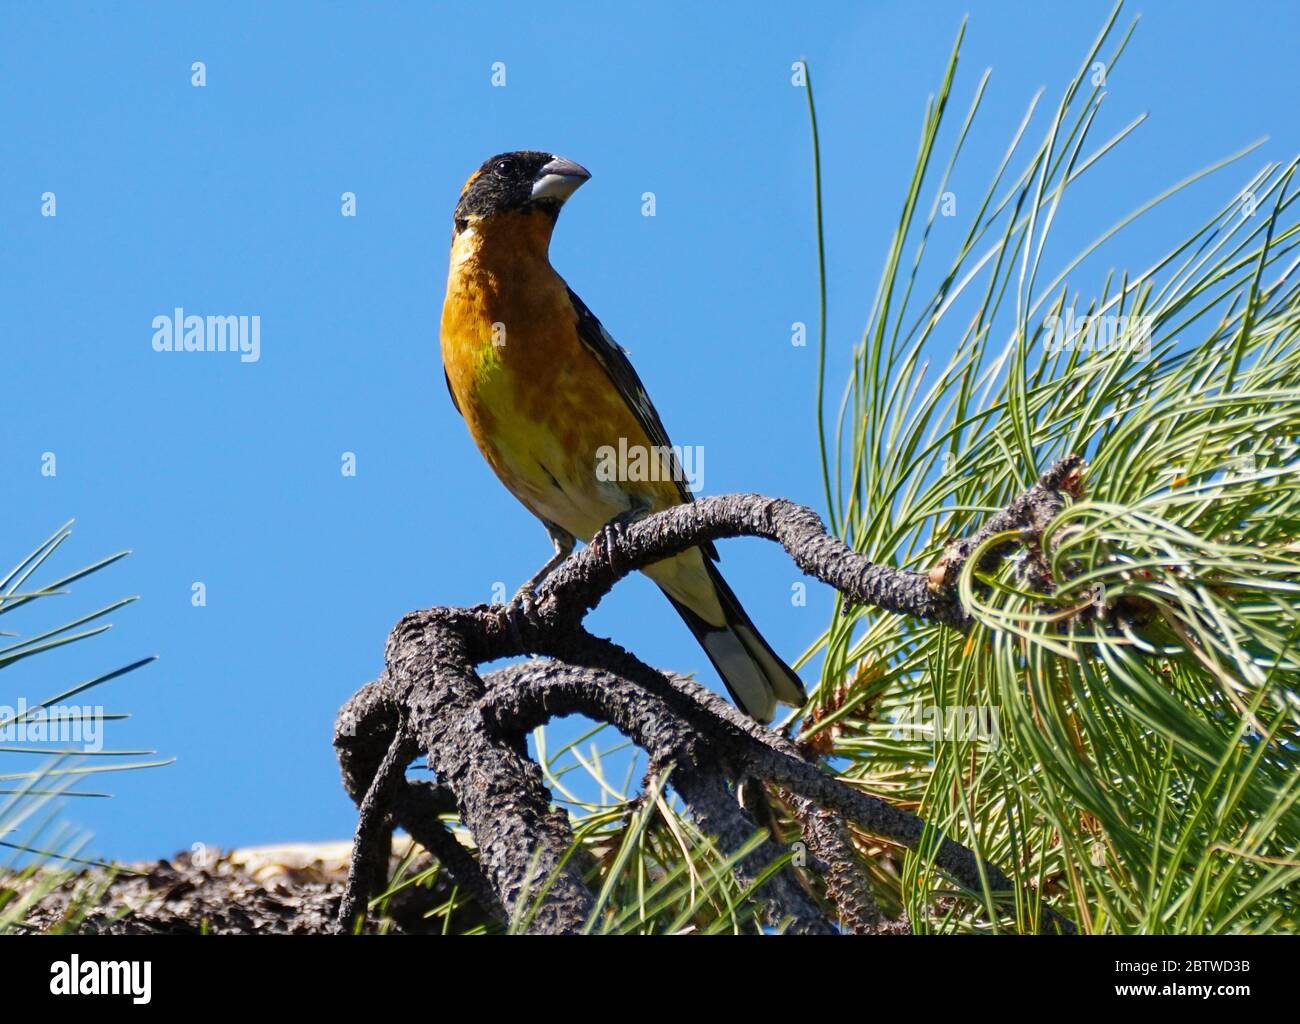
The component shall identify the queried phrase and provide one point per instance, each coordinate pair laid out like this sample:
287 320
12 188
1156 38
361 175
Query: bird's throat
502 238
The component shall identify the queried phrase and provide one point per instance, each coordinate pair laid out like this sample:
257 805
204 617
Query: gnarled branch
471 729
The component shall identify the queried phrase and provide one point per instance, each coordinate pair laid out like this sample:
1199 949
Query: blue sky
225 199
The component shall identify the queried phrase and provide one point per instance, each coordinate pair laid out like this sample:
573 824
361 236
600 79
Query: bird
545 390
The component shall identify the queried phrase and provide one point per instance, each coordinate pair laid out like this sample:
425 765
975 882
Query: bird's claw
607 540
525 596
518 613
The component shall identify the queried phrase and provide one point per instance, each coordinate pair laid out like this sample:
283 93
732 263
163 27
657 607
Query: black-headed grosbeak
543 389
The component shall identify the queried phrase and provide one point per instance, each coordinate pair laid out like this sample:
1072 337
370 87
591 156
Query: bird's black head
527 179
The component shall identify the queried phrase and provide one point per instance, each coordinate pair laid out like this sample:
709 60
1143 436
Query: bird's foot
518 615
609 537
564 542
527 593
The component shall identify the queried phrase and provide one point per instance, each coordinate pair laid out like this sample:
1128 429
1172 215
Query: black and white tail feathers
755 676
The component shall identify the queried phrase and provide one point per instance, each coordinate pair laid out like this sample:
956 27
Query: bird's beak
559 179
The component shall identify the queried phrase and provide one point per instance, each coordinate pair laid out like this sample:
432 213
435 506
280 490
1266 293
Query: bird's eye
505 167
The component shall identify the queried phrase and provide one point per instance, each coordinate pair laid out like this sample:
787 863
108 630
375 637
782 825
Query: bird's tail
756 677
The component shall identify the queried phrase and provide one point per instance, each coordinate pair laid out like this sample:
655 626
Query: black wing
447 377
613 359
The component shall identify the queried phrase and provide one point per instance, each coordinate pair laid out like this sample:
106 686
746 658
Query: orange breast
536 401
